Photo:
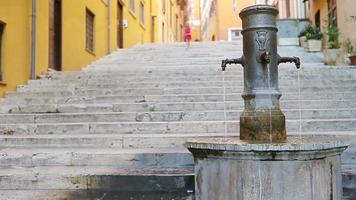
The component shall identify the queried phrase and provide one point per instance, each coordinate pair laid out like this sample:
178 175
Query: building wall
297 9
194 10
16 43
167 13
346 17
322 6
220 16
17 15
73 31
137 32
346 20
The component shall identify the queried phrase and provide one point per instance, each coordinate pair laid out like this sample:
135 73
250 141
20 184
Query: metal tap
232 61
293 59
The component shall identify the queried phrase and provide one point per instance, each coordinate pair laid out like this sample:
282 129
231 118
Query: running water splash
224 99
300 104
260 180
270 109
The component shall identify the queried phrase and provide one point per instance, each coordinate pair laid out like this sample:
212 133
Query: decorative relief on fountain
262 39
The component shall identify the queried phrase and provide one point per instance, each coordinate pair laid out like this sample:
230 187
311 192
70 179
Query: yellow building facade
220 20
36 35
194 13
342 12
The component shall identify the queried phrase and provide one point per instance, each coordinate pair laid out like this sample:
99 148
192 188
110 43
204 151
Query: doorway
120 26
55 35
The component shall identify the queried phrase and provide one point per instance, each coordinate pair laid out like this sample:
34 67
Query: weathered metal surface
262 119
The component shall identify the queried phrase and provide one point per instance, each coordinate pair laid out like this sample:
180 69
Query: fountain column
262 119
263 164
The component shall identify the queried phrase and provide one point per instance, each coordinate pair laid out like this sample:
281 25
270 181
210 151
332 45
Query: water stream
260 180
300 104
270 108
224 100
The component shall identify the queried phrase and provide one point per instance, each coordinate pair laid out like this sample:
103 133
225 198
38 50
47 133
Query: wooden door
55 35
120 27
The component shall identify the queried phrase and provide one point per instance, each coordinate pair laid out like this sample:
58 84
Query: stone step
96 178
6 107
172 116
177 157
189 127
107 194
198 75
124 141
183 87
159 95
311 71
118 79
115 99
158 158
136 141
187 84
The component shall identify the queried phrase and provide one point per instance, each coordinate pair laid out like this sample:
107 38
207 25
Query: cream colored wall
169 34
223 19
227 19
347 20
297 9
321 5
195 16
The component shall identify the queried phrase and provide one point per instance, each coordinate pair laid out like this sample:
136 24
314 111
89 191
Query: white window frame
233 29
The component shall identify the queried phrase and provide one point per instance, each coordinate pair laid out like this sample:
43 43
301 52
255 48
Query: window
234 34
89 30
133 5
2 27
142 13
164 6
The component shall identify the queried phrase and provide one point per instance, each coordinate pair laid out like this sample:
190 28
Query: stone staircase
118 126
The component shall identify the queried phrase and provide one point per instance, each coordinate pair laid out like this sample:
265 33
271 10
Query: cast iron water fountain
263 164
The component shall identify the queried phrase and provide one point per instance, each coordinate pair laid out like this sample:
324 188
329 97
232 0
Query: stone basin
301 168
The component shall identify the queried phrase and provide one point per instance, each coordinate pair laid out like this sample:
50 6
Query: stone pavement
120 124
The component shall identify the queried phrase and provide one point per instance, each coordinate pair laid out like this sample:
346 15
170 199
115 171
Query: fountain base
301 168
268 126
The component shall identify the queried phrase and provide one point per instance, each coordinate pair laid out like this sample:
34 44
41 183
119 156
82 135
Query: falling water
224 99
270 98
300 105
260 180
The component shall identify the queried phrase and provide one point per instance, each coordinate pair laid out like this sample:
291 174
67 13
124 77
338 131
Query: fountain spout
293 59
226 62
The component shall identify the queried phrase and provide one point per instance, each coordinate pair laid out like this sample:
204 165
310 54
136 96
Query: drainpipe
108 5
33 40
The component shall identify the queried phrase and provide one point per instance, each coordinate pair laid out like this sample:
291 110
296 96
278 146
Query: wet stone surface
109 195
132 196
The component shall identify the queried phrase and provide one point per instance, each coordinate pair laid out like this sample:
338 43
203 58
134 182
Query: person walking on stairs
187 34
